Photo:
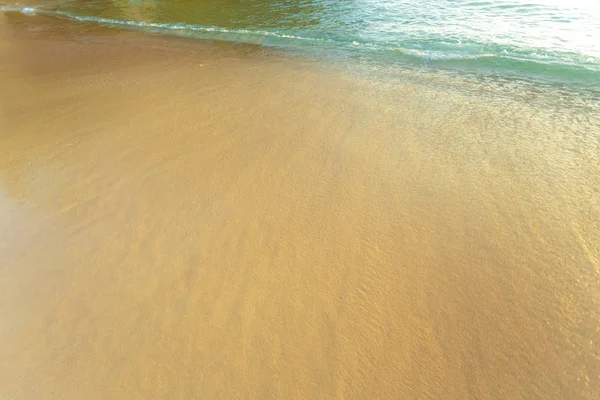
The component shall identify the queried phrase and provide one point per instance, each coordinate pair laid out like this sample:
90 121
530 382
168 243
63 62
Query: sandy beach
196 220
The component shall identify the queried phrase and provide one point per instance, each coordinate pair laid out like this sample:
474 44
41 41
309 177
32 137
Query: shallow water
545 40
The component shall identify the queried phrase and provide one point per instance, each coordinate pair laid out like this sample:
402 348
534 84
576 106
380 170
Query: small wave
27 10
181 28
437 53
432 55
448 55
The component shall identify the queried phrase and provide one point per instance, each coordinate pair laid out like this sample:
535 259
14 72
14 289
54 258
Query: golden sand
200 221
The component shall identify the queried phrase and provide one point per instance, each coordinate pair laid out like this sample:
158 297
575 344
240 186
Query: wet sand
182 220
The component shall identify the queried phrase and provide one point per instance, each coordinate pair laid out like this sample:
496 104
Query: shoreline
559 70
535 91
189 220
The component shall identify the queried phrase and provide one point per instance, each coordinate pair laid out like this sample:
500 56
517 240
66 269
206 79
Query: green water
556 41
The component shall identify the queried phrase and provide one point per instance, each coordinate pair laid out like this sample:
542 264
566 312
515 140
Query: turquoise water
555 41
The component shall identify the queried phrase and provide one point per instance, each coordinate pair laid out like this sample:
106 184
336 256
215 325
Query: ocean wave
475 55
449 55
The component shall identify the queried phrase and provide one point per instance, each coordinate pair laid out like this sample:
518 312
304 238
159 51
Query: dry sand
182 220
